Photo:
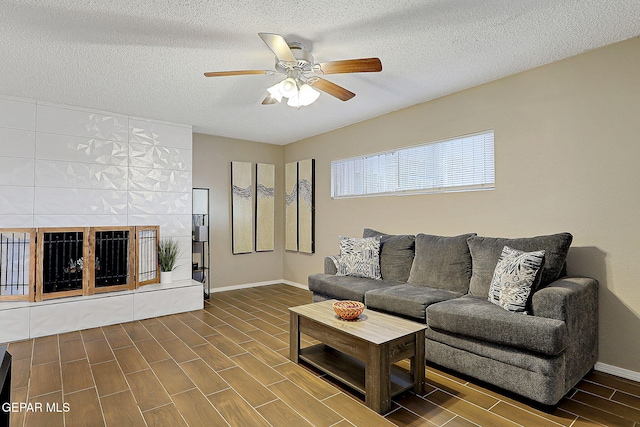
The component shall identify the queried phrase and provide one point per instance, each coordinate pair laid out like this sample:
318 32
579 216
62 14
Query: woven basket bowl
348 310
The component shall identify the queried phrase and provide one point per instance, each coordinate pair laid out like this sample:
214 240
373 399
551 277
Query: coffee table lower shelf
351 371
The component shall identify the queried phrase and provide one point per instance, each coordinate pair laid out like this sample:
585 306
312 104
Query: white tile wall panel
16 221
17 114
153 156
52 173
183 266
155 202
60 316
17 143
51 146
152 132
170 225
80 220
146 179
79 201
23 320
16 200
185 244
184 263
16 171
15 323
159 300
79 122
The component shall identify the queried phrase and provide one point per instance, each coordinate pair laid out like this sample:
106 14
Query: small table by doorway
361 353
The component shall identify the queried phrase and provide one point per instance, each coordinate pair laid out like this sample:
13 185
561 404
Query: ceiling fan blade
234 73
333 89
279 46
269 100
364 65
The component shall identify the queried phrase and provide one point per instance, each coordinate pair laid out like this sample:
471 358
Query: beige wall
567 143
212 158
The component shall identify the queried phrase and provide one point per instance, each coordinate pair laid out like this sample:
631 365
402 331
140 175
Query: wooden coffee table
361 353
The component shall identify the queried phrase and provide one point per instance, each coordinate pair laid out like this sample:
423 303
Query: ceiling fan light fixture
274 91
299 69
307 95
294 101
289 87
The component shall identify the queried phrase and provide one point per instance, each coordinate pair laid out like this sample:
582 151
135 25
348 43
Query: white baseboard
620 372
253 285
297 285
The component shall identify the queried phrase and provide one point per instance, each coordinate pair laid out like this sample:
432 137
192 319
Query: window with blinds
463 163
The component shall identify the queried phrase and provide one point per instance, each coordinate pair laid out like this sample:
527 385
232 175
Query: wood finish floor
227 365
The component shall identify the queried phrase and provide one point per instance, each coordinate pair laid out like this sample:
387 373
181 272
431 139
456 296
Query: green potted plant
168 253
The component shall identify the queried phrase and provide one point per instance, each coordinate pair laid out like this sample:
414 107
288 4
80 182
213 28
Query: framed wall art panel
242 208
306 216
291 206
265 206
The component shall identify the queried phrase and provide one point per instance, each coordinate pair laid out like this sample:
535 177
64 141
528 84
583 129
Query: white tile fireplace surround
22 320
63 166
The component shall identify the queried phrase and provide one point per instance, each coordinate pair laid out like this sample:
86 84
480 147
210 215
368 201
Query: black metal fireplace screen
63 261
37 264
15 264
112 258
147 254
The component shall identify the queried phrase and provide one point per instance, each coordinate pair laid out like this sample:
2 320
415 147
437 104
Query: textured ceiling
147 57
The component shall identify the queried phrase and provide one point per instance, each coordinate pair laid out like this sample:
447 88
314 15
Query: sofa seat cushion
475 317
442 262
396 254
407 300
345 287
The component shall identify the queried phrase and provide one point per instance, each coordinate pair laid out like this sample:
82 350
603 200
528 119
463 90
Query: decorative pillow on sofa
442 262
514 278
359 257
485 252
396 254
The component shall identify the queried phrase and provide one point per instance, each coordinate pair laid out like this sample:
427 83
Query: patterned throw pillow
359 257
513 278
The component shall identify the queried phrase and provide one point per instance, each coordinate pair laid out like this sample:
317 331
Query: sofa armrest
331 264
574 300
568 297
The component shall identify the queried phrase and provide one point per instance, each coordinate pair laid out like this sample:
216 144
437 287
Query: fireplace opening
15 263
147 254
45 263
112 264
63 261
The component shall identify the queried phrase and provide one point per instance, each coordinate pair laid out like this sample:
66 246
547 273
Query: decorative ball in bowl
348 310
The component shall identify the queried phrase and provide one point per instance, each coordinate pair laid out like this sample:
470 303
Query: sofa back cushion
485 252
396 254
442 262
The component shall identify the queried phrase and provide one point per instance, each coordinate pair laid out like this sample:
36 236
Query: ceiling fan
303 74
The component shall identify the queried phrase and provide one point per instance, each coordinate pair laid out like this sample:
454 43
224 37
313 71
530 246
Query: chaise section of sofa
445 281
540 356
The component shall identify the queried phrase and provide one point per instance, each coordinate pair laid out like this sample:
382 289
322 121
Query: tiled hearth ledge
23 320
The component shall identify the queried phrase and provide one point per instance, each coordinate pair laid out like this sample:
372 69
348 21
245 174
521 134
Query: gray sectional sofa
444 282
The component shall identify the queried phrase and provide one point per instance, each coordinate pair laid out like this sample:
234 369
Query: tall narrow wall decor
242 208
265 206
291 206
306 214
